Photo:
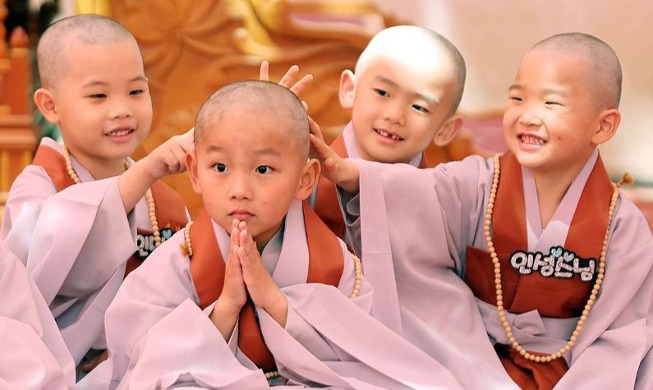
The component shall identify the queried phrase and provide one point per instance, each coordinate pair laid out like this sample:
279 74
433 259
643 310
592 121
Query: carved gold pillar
16 133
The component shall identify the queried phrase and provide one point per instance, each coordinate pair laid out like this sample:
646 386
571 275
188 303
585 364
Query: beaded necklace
497 272
151 207
187 250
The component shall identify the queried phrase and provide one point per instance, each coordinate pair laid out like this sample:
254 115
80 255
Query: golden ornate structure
191 48
16 133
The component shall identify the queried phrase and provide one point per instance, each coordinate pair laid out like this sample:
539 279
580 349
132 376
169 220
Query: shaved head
258 98
416 45
604 76
87 29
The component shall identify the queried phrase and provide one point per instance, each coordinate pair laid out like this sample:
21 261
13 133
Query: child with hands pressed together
559 262
256 291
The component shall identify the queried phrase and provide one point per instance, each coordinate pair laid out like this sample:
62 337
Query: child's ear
44 100
608 123
308 179
448 130
191 167
347 90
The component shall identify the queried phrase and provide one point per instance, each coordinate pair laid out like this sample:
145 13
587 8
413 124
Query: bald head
257 98
87 29
416 45
604 76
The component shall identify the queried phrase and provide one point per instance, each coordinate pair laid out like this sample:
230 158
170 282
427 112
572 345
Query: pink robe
328 339
433 215
34 355
325 196
75 243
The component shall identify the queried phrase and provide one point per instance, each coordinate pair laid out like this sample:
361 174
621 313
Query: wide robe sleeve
35 355
411 227
75 244
618 330
159 338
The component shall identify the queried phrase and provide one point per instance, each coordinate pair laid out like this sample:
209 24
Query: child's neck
551 189
106 168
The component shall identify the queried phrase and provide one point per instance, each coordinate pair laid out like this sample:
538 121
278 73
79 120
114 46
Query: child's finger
264 71
290 75
301 85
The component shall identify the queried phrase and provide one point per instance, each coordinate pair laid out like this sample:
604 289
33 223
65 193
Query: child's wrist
278 303
146 171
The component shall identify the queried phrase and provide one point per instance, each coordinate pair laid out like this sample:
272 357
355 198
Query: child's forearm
133 184
224 318
278 309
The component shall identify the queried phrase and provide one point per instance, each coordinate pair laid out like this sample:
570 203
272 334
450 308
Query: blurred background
192 47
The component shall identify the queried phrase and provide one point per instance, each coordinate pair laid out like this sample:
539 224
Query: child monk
560 263
257 290
84 214
403 95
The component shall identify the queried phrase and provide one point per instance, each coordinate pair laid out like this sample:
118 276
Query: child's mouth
531 140
388 135
120 132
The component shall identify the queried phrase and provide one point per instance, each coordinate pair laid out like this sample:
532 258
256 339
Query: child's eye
420 108
380 92
98 96
263 169
515 98
220 167
136 92
551 103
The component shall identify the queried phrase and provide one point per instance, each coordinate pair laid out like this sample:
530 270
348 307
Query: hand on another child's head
341 171
169 157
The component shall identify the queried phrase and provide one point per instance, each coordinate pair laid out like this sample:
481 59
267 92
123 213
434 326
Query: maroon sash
326 199
170 209
207 269
551 296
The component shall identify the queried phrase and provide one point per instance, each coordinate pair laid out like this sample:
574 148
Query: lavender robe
75 244
329 339
34 355
433 215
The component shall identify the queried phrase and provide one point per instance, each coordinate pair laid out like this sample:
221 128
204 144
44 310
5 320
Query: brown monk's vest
207 269
170 209
550 296
326 199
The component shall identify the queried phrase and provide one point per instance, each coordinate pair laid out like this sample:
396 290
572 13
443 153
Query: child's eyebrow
429 99
262 151
555 91
95 83
267 152
544 91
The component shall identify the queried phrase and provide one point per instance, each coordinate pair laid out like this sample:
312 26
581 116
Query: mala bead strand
271 374
358 272
497 272
69 165
151 207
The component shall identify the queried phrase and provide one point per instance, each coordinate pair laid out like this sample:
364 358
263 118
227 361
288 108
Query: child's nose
121 109
394 113
530 118
240 187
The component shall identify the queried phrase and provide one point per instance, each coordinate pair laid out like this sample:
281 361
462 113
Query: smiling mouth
530 140
385 134
120 132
